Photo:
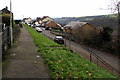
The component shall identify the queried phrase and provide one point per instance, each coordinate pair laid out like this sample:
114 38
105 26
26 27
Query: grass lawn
65 64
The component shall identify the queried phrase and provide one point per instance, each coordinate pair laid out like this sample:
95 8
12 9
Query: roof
48 22
75 24
5 10
59 25
44 17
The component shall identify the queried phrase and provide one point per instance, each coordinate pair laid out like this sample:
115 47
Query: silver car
38 29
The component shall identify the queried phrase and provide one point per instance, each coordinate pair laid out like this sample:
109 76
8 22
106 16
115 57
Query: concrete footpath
23 59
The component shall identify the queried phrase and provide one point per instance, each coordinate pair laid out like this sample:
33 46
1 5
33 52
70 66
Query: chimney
6 8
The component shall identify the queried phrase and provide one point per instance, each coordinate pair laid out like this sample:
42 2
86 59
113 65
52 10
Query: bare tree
115 8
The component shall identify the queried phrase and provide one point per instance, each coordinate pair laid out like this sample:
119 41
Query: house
52 24
47 22
46 18
73 26
5 10
6 16
43 20
27 20
39 20
7 27
82 29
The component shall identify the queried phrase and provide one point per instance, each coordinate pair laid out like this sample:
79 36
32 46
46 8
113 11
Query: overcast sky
56 8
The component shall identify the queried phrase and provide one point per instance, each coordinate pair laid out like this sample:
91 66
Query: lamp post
70 35
11 31
65 35
69 41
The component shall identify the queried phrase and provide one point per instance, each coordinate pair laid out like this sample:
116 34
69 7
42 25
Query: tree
116 8
105 35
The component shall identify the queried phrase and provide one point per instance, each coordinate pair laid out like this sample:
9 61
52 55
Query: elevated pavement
23 60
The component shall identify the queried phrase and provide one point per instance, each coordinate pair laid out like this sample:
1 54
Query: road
111 59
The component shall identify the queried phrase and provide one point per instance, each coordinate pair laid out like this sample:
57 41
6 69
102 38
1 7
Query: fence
57 32
100 62
6 37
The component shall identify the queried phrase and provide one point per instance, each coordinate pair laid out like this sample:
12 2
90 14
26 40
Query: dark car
47 28
59 39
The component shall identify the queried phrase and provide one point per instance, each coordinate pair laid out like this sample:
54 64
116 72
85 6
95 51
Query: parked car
47 28
32 25
38 29
29 24
59 39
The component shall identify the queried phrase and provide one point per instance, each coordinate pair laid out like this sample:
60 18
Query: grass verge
64 64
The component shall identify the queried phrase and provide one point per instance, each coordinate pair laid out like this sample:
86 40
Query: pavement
23 60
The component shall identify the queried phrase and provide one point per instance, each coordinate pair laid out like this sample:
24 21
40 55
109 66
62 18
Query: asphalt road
111 59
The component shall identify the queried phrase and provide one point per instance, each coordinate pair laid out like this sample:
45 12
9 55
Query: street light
65 30
70 35
11 31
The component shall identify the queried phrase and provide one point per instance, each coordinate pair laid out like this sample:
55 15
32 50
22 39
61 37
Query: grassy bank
65 64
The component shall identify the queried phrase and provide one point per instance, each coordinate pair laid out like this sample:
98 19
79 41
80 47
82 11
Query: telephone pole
23 16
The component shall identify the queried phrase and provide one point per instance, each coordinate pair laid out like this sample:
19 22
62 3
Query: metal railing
101 60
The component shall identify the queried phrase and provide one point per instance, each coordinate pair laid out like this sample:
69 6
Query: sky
56 8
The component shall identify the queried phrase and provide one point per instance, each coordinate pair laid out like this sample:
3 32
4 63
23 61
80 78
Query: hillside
102 20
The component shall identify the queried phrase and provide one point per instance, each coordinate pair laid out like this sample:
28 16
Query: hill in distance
110 20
